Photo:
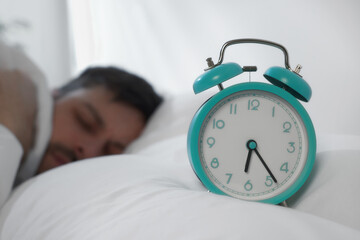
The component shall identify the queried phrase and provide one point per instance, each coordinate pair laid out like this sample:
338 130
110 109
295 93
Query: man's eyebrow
95 114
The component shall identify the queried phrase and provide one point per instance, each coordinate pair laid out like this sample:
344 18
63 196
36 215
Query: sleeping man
99 113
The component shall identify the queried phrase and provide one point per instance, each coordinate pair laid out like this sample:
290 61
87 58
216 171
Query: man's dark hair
126 87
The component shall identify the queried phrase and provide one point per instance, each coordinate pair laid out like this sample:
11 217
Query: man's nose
88 149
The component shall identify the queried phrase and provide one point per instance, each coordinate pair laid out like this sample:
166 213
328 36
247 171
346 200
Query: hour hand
248 160
251 145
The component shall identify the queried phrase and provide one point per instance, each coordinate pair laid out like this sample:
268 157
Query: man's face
88 123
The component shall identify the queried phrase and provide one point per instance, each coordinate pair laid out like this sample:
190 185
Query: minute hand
266 167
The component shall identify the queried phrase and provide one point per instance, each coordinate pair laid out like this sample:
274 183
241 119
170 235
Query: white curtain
149 38
167 42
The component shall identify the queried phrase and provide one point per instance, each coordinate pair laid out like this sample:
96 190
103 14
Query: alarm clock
253 140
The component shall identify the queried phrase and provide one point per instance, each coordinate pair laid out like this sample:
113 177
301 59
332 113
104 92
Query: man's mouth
61 154
60 159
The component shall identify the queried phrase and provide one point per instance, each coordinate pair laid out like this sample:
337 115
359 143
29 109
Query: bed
151 192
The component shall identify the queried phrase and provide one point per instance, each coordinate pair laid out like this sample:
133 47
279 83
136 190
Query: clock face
253 145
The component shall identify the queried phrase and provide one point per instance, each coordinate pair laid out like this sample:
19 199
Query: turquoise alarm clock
253 141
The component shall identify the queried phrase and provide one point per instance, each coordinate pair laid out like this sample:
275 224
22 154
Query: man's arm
17 121
18 106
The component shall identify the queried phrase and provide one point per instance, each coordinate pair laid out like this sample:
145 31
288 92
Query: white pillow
171 119
332 190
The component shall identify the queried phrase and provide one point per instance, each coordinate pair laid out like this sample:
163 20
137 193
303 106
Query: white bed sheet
151 192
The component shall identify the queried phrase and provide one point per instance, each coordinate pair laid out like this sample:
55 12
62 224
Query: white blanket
151 192
13 58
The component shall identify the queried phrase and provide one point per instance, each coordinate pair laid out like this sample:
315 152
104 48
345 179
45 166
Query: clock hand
251 145
266 167
248 160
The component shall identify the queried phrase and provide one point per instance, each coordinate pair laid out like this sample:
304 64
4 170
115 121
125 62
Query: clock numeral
253 104
214 163
219 124
210 141
269 182
291 148
233 108
248 186
286 127
229 177
285 167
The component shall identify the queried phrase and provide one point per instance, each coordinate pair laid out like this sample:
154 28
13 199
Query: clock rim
200 115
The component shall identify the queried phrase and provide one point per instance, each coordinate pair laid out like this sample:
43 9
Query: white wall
168 42
46 41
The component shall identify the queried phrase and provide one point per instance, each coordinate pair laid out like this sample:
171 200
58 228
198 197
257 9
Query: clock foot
284 204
